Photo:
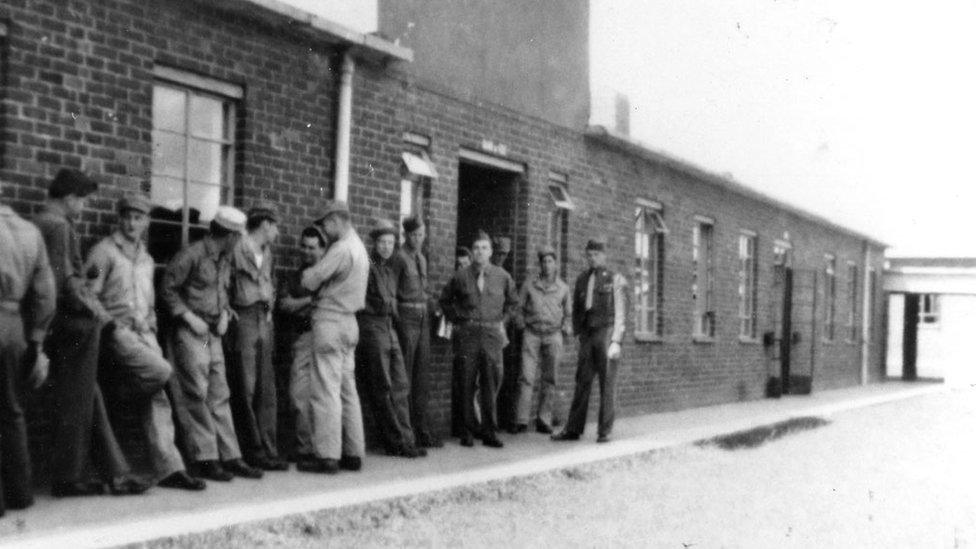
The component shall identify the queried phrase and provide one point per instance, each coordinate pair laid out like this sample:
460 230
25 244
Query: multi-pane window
192 166
852 297
649 231
928 310
830 296
702 278
747 285
558 216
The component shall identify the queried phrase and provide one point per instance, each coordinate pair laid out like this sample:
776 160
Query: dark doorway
910 338
786 329
487 200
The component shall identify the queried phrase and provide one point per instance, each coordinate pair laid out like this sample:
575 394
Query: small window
747 285
192 163
852 298
703 275
416 172
649 232
558 222
928 311
830 296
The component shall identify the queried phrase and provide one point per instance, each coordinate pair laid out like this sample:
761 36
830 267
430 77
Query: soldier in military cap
478 300
338 282
413 327
598 320
120 274
544 315
378 352
501 247
195 291
250 342
82 431
27 305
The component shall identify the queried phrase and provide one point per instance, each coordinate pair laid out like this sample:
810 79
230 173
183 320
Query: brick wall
77 91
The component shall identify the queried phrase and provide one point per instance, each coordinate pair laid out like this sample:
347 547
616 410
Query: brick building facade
231 101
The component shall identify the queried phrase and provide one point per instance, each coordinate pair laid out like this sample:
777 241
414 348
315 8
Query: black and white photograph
487 273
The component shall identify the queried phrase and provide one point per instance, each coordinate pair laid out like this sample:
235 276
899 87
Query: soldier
25 280
296 303
250 342
544 314
479 300
379 352
120 274
194 289
82 430
413 328
508 384
501 247
598 320
339 284
462 259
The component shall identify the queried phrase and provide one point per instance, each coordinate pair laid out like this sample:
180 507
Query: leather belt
416 305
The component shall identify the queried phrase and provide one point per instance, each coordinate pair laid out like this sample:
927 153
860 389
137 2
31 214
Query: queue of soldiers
353 310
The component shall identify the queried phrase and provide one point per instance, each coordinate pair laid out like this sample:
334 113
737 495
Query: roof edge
615 139
364 45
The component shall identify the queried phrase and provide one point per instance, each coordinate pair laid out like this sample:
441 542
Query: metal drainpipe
866 315
343 128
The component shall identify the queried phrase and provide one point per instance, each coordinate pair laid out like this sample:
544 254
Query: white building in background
931 319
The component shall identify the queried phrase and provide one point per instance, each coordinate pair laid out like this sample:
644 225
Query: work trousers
299 390
413 330
480 348
205 412
82 430
593 362
251 375
540 358
15 464
387 387
337 419
137 361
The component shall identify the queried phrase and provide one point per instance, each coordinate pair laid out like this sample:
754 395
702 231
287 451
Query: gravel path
895 475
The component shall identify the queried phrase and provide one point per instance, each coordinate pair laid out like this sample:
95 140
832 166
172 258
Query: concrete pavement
163 513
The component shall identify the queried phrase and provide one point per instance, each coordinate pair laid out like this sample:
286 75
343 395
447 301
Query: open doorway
487 201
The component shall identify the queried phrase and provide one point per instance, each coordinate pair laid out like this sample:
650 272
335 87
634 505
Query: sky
862 112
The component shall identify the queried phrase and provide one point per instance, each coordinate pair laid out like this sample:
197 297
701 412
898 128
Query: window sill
749 340
647 337
702 339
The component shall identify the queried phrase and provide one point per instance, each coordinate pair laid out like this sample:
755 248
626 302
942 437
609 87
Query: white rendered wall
948 349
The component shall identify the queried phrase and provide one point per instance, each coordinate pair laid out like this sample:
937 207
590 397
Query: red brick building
202 102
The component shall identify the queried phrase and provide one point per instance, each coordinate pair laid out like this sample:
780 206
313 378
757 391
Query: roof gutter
613 139
368 47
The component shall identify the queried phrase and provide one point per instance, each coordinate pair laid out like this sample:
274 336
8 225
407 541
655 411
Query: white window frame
198 86
649 233
558 216
852 326
830 296
703 277
748 285
416 172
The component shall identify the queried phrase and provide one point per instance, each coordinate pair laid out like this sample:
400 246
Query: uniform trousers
387 386
205 412
480 347
251 375
540 358
82 431
413 330
299 390
137 361
15 465
593 362
337 419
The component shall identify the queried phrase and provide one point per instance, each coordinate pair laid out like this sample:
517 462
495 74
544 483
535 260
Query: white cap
231 218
